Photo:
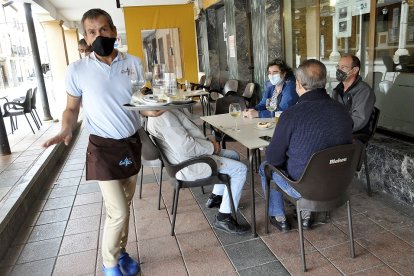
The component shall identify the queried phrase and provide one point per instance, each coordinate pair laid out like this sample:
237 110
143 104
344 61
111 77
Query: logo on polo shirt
125 162
336 161
127 71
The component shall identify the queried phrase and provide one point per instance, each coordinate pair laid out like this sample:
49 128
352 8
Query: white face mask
275 79
83 55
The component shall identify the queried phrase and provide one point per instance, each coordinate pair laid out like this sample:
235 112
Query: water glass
170 84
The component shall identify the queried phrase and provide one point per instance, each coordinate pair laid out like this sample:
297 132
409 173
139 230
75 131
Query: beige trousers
117 195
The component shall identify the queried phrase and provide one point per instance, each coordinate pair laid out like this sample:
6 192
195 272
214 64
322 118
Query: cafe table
204 99
249 136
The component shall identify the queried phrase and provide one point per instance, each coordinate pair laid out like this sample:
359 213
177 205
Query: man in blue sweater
315 123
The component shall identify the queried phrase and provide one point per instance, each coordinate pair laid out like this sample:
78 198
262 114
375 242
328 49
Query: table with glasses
248 135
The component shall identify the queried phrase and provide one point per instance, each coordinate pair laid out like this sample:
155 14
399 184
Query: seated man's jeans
276 205
228 163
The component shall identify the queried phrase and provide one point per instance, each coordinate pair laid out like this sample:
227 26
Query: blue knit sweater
316 122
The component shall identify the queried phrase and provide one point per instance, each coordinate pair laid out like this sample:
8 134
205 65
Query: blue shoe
129 266
112 271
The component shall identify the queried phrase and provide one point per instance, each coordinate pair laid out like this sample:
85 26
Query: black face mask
103 46
341 75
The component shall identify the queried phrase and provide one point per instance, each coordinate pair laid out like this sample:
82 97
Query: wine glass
137 81
270 105
235 111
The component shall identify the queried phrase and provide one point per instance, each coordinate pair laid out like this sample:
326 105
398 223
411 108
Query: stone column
72 39
58 58
335 55
402 43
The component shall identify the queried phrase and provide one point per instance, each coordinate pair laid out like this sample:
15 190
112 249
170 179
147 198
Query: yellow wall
208 3
161 17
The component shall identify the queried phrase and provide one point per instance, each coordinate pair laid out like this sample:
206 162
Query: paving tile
81 263
81 225
59 192
153 228
70 174
88 198
22 235
31 219
365 204
375 271
340 256
158 249
92 187
386 246
6 270
57 203
272 268
53 216
316 264
362 226
249 253
39 250
390 219
405 233
47 231
173 266
36 268
74 167
86 210
73 181
326 235
286 245
11 256
404 265
79 243
196 262
197 240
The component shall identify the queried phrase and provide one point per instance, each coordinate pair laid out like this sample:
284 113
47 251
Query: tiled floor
62 234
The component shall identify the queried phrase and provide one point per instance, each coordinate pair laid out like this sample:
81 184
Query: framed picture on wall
382 39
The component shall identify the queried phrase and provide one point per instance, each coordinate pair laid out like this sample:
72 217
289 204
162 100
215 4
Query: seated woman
282 92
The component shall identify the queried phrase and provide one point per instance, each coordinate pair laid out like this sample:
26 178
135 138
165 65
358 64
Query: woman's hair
284 68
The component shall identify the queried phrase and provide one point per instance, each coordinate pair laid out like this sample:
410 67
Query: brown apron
111 159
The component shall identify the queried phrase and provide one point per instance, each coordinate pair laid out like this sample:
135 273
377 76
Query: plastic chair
231 85
323 186
249 95
364 139
150 157
14 109
215 178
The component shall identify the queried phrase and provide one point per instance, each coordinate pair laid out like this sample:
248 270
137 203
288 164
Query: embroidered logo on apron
125 162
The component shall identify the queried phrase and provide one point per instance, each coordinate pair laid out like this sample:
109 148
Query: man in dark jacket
355 94
315 123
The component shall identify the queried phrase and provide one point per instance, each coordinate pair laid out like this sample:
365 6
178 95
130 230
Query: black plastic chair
230 86
14 109
150 157
323 186
249 94
215 178
34 110
364 139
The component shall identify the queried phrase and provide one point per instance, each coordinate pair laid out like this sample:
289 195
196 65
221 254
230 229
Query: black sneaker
306 224
229 225
283 226
214 201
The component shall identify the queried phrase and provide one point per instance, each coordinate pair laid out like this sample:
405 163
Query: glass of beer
235 112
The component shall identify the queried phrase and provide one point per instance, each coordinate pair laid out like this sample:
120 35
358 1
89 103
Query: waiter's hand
65 135
152 113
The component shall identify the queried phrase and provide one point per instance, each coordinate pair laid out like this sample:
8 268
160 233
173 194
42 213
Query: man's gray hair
95 13
311 74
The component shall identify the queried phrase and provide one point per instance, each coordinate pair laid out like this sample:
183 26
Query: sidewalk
62 234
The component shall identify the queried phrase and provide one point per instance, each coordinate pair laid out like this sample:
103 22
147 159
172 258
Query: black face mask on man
341 75
103 46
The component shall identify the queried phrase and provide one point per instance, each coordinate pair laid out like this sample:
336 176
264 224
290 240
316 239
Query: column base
398 53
